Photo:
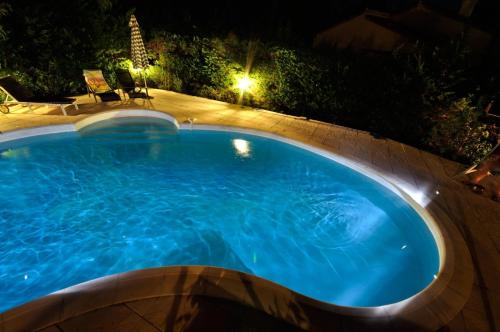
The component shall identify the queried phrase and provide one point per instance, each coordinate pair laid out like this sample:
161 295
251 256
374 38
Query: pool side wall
428 310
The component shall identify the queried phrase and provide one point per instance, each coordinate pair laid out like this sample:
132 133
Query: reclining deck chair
128 86
492 110
98 86
19 94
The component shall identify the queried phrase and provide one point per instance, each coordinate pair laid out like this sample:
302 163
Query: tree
4 10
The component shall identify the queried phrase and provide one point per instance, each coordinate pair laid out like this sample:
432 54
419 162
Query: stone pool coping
430 309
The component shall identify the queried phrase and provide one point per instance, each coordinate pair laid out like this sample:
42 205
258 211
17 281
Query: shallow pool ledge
136 113
90 120
428 310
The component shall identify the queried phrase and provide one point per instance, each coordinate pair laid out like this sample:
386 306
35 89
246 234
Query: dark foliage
49 42
430 97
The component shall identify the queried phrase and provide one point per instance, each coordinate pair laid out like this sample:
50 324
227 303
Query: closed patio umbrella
139 56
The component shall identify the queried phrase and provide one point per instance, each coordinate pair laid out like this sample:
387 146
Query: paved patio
419 173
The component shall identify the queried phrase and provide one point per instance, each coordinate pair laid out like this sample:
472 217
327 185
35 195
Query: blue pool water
119 197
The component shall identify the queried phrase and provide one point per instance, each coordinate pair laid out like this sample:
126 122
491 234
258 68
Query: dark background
293 22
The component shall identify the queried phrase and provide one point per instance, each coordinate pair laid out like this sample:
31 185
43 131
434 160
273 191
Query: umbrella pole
145 84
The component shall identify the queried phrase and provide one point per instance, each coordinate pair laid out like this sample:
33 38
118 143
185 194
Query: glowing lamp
244 83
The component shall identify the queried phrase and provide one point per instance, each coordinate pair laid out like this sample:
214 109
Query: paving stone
117 318
476 216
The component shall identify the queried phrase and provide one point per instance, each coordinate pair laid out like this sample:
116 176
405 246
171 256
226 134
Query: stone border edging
429 309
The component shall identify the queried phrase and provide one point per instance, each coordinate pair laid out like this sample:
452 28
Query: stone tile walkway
419 173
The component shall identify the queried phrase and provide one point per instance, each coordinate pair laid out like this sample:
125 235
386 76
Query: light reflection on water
241 147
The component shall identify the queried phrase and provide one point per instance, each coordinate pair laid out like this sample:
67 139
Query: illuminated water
117 198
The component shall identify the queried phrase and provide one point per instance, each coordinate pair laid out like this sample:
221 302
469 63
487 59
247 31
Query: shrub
458 133
301 84
421 97
48 52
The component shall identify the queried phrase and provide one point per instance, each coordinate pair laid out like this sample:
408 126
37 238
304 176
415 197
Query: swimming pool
135 194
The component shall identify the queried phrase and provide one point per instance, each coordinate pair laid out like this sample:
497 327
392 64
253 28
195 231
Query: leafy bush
48 51
195 65
458 133
301 84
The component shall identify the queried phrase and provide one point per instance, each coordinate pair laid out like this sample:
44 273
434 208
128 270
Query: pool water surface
131 194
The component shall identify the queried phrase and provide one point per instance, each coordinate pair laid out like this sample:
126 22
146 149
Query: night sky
291 21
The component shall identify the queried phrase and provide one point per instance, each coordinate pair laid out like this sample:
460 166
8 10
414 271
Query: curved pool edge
81 124
236 287
104 116
430 309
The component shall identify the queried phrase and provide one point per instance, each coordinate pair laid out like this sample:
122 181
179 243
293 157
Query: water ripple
139 195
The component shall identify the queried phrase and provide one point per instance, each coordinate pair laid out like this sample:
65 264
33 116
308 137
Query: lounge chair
97 85
128 86
19 94
492 111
